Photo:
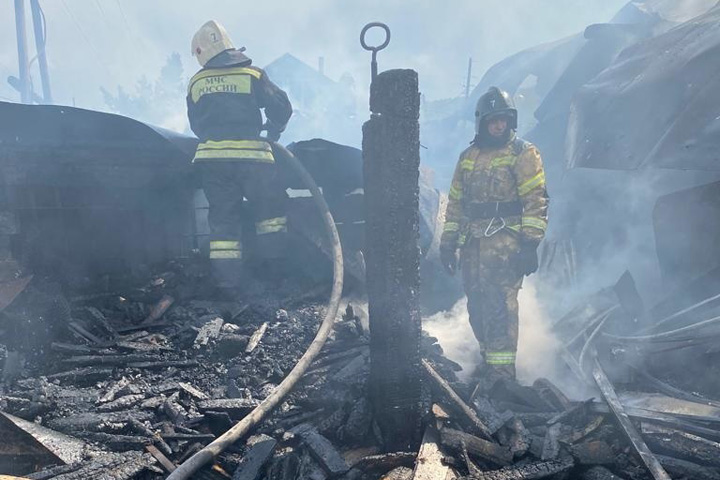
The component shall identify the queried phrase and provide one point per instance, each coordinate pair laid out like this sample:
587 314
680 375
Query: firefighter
224 103
495 219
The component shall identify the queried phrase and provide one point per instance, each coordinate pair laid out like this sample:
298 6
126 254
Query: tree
160 102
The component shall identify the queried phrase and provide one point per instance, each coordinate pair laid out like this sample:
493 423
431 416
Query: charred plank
477 447
261 448
124 466
681 444
608 391
531 471
448 391
322 450
682 468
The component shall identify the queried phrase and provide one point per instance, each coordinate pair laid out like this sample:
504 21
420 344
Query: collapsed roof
655 106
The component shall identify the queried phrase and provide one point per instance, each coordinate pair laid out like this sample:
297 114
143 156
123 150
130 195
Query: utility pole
40 38
469 76
24 86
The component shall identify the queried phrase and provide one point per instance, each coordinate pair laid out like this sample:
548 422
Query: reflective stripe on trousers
225 249
500 358
271 225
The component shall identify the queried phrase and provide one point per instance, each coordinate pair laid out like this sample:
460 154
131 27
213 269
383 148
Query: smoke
452 329
92 44
537 347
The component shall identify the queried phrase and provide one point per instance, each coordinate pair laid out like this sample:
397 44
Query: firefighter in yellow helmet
224 103
496 217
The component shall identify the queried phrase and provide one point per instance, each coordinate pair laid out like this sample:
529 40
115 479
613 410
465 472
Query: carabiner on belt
490 230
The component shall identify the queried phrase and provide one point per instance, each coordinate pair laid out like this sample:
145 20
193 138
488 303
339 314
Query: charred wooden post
391 159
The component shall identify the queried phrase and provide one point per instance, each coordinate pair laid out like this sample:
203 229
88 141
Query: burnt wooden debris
117 398
260 450
391 161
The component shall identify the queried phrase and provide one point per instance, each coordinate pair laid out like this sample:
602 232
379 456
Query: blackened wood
192 391
682 445
530 471
549 392
234 406
510 391
164 461
53 472
124 466
114 389
94 422
205 437
519 438
391 161
118 360
489 415
593 453
608 392
164 364
322 450
174 410
82 377
551 443
208 333
447 390
599 473
351 371
261 448
385 462
121 443
123 403
477 447
684 469
284 467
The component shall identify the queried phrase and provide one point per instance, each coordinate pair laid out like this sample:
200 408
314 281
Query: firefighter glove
528 257
273 131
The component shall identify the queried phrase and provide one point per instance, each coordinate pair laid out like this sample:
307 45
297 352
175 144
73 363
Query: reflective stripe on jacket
507 174
234 150
224 109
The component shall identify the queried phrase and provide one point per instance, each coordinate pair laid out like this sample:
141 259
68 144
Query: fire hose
212 450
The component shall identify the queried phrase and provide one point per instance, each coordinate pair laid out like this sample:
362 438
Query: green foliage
159 102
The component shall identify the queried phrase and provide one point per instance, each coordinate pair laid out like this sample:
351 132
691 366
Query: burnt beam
391 161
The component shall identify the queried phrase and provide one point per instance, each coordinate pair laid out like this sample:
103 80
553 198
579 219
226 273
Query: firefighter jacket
224 101
495 189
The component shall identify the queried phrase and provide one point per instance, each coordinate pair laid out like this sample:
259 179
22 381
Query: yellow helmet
211 39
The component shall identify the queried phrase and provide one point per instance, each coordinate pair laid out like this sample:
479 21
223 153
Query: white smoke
537 347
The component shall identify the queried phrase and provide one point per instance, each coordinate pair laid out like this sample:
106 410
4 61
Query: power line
102 12
125 20
85 37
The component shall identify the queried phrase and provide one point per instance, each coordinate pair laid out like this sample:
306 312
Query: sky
110 43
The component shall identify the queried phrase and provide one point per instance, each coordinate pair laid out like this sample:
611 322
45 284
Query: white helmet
210 40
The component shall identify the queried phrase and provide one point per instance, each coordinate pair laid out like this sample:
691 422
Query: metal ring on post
377 48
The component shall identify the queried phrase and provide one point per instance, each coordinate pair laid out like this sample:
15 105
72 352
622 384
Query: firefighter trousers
492 283
226 185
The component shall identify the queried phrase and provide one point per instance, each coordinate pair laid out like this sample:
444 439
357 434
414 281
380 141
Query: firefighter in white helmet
224 104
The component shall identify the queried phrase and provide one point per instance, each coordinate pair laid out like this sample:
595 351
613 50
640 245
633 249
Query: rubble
139 399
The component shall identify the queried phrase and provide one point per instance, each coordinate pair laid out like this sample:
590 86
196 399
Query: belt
477 210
